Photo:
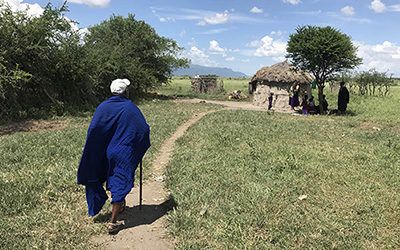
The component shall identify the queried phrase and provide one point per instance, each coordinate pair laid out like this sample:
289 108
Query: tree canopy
128 48
46 64
323 51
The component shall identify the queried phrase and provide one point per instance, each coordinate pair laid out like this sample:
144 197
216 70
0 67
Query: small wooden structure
278 79
204 83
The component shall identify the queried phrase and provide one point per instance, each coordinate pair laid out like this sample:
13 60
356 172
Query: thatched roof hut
278 79
281 73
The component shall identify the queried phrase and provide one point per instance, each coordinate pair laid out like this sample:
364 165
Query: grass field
181 87
41 206
237 177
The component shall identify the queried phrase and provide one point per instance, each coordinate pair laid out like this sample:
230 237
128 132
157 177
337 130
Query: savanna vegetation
47 66
322 51
255 180
180 87
241 179
41 205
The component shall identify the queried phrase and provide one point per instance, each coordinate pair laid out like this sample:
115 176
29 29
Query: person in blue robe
117 139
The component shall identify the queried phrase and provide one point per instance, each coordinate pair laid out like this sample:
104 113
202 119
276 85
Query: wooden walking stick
141 185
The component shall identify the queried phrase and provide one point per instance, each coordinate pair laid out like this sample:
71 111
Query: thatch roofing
282 73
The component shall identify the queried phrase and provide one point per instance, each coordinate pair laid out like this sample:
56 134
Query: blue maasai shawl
117 139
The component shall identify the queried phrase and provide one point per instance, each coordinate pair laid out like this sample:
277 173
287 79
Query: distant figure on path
343 98
117 139
270 100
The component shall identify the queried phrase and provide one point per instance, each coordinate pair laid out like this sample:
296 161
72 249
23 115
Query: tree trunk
320 97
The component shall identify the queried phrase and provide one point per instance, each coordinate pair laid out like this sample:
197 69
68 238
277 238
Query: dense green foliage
323 51
46 64
126 48
373 82
47 50
365 83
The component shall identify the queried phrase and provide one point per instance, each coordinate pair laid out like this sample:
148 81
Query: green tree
127 48
370 81
323 51
48 50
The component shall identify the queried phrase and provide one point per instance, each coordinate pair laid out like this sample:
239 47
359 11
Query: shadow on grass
334 112
133 216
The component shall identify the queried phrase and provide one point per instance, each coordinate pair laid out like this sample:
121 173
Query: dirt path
33 126
145 229
232 105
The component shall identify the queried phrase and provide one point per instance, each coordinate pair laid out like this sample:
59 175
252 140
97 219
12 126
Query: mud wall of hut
281 94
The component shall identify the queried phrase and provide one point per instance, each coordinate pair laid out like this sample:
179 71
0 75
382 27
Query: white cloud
166 19
214 46
256 10
277 33
213 31
254 44
218 18
383 57
348 11
378 6
395 7
267 46
216 49
293 2
198 56
33 10
92 3
229 59
205 17
182 33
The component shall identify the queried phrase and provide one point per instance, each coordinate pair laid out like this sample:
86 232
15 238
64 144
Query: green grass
182 88
237 176
41 205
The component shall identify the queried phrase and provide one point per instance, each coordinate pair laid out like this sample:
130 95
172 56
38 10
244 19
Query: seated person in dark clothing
304 105
311 105
324 103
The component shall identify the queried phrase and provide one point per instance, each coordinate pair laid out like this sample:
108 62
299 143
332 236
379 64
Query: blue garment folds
118 137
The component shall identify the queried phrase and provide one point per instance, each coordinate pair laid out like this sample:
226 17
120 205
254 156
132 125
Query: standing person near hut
270 100
343 98
117 139
295 102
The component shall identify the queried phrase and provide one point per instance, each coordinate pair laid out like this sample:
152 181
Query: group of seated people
309 107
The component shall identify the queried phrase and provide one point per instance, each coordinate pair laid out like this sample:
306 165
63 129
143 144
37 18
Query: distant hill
203 70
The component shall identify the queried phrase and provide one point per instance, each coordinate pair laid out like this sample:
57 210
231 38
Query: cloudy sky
247 34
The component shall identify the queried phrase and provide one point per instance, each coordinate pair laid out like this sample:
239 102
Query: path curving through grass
145 229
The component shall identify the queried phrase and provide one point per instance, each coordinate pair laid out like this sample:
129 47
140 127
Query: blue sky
246 35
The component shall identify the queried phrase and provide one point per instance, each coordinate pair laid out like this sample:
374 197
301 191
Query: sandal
113 228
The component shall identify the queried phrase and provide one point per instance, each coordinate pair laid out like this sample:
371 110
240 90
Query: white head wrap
119 86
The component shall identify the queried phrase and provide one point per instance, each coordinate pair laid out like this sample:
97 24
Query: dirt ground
145 229
33 126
